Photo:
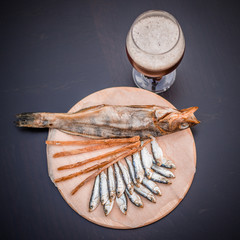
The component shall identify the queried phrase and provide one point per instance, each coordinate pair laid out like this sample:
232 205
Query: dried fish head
177 120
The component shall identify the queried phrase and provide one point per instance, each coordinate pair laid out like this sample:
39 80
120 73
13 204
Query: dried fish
163 171
111 184
107 207
138 169
152 186
126 177
147 162
145 193
103 188
159 178
114 121
119 181
159 159
135 199
131 169
95 197
122 203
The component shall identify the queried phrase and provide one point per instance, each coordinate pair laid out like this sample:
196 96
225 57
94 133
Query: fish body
120 186
122 203
126 177
163 171
159 178
138 169
95 197
145 193
152 186
111 184
107 207
147 162
135 199
167 163
131 169
114 121
103 188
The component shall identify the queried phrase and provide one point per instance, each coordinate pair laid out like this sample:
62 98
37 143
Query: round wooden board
179 147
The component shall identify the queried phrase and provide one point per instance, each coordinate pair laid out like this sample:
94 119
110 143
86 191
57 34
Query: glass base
153 85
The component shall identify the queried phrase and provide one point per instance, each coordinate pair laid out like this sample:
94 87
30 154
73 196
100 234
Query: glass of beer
155 46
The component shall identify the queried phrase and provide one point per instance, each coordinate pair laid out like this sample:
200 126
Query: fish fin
91 108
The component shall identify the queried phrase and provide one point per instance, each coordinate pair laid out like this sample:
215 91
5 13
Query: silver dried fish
135 199
159 178
95 197
122 203
120 186
145 193
103 188
163 171
107 207
111 184
138 169
126 177
152 186
147 162
131 169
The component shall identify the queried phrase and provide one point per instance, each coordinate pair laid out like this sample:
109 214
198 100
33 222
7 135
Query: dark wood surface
55 53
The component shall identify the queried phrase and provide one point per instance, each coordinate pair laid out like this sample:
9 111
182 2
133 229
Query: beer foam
155 43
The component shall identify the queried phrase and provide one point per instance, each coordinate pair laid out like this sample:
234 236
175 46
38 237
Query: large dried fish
114 121
95 197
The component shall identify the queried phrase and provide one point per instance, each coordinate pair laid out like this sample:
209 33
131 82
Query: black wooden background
54 53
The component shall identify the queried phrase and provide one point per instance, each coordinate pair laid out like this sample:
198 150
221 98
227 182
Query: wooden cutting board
179 147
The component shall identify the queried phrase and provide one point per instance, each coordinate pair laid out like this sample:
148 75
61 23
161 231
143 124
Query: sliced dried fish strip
122 203
95 197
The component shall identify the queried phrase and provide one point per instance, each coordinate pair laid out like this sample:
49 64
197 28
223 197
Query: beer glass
155 46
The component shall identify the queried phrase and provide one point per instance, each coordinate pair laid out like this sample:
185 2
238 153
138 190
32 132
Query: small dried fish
135 199
111 184
122 203
159 159
126 177
167 163
103 188
107 207
152 186
119 181
145 193
131 169
163 171
159 178
95 197
147 162
138 169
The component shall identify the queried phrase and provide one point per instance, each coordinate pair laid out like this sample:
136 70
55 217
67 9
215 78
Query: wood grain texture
179 147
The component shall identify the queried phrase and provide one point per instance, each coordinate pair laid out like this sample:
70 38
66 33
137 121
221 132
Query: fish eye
184 125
